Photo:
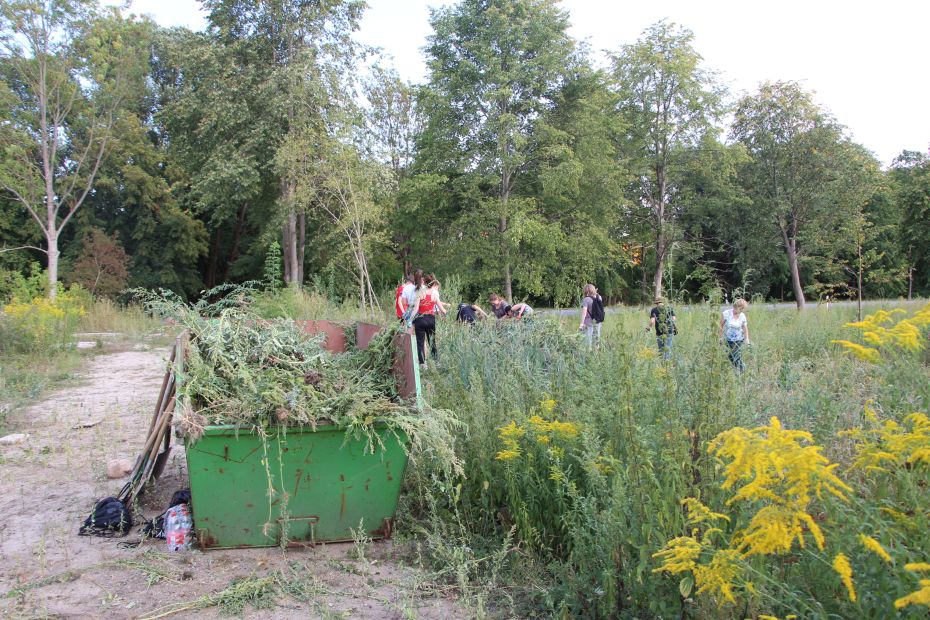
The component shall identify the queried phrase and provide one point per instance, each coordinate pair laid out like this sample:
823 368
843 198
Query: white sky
866 61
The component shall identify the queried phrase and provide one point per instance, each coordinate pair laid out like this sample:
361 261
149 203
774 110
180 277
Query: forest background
134 155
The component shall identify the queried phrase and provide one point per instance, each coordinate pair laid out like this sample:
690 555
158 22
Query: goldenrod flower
719 576
867 354
506 455
698 512
891 443
875 547
547 406
774 467
920 597
844 570
917 566
679 555
511 430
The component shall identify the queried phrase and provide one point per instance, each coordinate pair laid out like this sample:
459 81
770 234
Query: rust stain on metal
342 507
225 453
386 529
297 478
204 540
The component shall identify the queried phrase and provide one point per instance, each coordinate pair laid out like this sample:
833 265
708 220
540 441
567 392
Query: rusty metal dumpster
325 483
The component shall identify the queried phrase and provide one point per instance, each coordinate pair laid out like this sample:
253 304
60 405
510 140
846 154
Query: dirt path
49 483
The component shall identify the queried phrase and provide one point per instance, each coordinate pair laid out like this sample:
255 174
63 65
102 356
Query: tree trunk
290 249
287 263
301 245
52 240
791 250
508 280
213 260
233 253
859 282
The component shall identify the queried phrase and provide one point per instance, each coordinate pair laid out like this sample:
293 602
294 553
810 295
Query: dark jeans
736 354
665 345
424 326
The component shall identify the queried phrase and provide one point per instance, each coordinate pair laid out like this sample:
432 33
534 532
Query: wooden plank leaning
160 429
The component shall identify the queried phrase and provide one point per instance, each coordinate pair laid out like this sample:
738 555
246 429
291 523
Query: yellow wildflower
567 430
698 512
773 466
920 597
511 430
844 570
679 555
506 455
866 354
647 353
917 566
874 546
547 406
775 528
888 442
719 575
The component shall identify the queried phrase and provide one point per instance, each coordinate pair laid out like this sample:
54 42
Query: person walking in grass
410 295
662 320
734 328
424 325
592 316
400 299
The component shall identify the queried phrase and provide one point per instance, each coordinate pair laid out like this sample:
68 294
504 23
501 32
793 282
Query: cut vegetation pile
254 373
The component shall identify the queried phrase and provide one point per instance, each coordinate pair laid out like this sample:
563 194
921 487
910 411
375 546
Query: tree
910 175
101 267
70 69
669 104
791 143
393 124
494 68
578 179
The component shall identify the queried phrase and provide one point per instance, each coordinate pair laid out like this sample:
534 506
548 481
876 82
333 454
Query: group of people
733 329
417 303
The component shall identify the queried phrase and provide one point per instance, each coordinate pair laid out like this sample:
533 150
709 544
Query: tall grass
590 507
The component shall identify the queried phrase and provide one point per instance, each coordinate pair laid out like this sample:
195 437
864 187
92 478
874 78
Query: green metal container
331 484
324 484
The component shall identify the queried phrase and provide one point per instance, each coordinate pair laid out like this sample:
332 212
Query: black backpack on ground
597 309
110 517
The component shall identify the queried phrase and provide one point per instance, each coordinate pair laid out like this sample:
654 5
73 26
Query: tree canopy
519 166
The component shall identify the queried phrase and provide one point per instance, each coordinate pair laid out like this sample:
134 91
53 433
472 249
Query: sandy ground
49 484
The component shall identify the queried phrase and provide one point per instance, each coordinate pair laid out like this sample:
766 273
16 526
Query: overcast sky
865 61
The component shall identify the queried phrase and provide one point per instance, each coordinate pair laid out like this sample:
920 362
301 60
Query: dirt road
49 483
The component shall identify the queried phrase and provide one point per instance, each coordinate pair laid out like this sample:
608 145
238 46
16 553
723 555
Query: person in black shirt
662 319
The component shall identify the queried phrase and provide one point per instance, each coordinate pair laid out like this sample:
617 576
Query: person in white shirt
734 328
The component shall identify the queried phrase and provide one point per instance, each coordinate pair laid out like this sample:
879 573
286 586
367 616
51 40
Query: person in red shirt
424 325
